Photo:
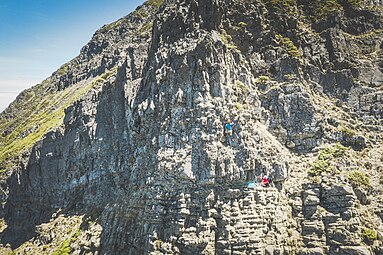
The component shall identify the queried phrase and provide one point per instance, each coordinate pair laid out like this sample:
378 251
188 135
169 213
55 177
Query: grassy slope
38 112
41 109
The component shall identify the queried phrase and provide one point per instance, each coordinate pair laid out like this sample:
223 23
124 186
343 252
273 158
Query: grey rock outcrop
141 164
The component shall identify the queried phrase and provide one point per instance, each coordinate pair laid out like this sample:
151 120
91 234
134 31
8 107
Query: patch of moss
359 179
286 6
288 45
242 24
331 152
62 70
327 7
107 75
321 9
146 28
28 132
323 164
262 79
319 166
64 248
141 13
227 39
283 3
316 179
355 3
347 131
368 35
369 235
238 106
155 3
113 25
242 88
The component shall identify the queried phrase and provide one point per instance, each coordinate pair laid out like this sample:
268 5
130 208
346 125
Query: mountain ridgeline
123 149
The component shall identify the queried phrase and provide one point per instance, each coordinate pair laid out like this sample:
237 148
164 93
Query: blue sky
38 36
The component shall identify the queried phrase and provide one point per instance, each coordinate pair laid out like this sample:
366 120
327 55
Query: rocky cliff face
140 164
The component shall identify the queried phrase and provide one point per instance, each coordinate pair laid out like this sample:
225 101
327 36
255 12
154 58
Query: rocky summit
154 139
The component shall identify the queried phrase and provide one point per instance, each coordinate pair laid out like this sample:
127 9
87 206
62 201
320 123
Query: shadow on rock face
66 171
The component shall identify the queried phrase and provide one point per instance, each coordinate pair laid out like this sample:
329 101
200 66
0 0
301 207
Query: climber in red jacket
265 181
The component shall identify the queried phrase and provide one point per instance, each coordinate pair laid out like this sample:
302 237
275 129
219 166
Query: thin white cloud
13 60
37 50
15 86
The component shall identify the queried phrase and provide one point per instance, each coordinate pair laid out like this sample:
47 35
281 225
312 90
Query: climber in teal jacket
229 130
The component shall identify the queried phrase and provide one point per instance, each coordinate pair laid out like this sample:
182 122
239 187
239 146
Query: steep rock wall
146 155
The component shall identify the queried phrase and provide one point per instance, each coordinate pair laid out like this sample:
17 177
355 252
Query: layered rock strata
141 164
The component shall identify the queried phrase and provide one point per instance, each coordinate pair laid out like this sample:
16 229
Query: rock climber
229 130
265 181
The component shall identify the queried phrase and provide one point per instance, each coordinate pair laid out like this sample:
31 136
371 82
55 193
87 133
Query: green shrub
146 28
238 106
283 3
319 166
288 45
242 24
62 70
112 25
227 39
326 7
262 79
359 179
323 163
355 3
242 88
286 6
321 9
347 131
64 248
369 235
331 152
155 3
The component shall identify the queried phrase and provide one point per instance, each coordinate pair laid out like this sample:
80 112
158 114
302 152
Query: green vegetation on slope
319 9
65 248
227 39
359 179
155 3
38 112
142 13
288 46
284 6
323 8
369 235
324 162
